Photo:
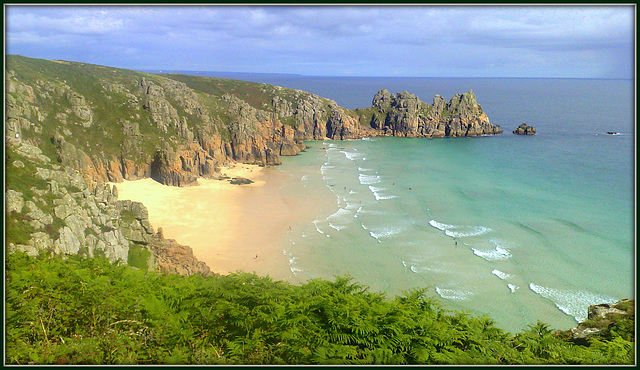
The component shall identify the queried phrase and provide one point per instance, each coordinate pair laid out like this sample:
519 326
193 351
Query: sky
386 41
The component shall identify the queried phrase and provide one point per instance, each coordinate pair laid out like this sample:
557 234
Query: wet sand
229 227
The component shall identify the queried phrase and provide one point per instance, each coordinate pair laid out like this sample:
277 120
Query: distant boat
612 133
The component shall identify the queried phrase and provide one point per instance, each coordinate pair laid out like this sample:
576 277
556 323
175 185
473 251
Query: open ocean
518 227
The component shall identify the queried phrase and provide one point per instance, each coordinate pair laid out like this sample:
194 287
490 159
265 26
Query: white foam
375 189
315 223
384 232
295 270
469 231
365 169
422 269
332 145
369 179
573 303
337 227
377 193
459 231
325 167
384 196
492 255
351 155
513 287
368 139
501 275
441 226
340 213
458 295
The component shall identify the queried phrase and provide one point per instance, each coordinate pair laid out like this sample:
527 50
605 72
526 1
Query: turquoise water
518 227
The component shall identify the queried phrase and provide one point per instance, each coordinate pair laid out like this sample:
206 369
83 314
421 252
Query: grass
138 256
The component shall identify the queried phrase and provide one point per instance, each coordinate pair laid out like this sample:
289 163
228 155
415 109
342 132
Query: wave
513 287
458 295
352 156
369 179
459 231
337 227
501 274
369 139
422 269
473 231
340 213
315 223
380 196
365 169
498 253
573 303
375 189
304 178
441 226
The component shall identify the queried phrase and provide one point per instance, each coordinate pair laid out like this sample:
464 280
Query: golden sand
229 227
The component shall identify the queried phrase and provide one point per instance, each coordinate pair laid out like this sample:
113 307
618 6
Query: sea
518 228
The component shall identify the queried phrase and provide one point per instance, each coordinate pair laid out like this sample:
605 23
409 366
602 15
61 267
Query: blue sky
422 41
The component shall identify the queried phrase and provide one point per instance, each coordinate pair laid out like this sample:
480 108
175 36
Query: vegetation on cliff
89 311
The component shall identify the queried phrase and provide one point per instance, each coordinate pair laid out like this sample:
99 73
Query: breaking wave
455 294
369 179
573 303
459 231
501 274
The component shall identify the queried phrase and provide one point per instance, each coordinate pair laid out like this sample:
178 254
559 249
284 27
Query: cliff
52 208
113 124
71 127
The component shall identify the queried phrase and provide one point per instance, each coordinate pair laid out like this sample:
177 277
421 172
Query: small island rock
525 129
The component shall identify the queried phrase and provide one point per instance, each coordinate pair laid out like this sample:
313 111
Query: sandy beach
229 227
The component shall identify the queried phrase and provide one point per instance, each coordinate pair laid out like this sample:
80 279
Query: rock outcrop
64 214
525 129
604 318
405 115
171 257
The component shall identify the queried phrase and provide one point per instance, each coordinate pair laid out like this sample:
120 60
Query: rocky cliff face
114 124
59 211
405 115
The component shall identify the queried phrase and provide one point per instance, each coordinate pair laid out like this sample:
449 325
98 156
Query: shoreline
229 227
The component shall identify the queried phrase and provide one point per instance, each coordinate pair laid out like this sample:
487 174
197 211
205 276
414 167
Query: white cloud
293 38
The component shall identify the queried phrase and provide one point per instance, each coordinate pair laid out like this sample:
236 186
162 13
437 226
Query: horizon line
183 71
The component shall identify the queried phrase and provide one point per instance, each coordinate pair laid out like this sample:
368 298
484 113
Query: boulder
525 129
13 201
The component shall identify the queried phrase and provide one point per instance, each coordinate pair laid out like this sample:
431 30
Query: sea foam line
501 275
352 156
459 231
458 295
573 303
369 179
492 255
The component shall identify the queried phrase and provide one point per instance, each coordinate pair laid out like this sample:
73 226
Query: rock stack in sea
525 129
